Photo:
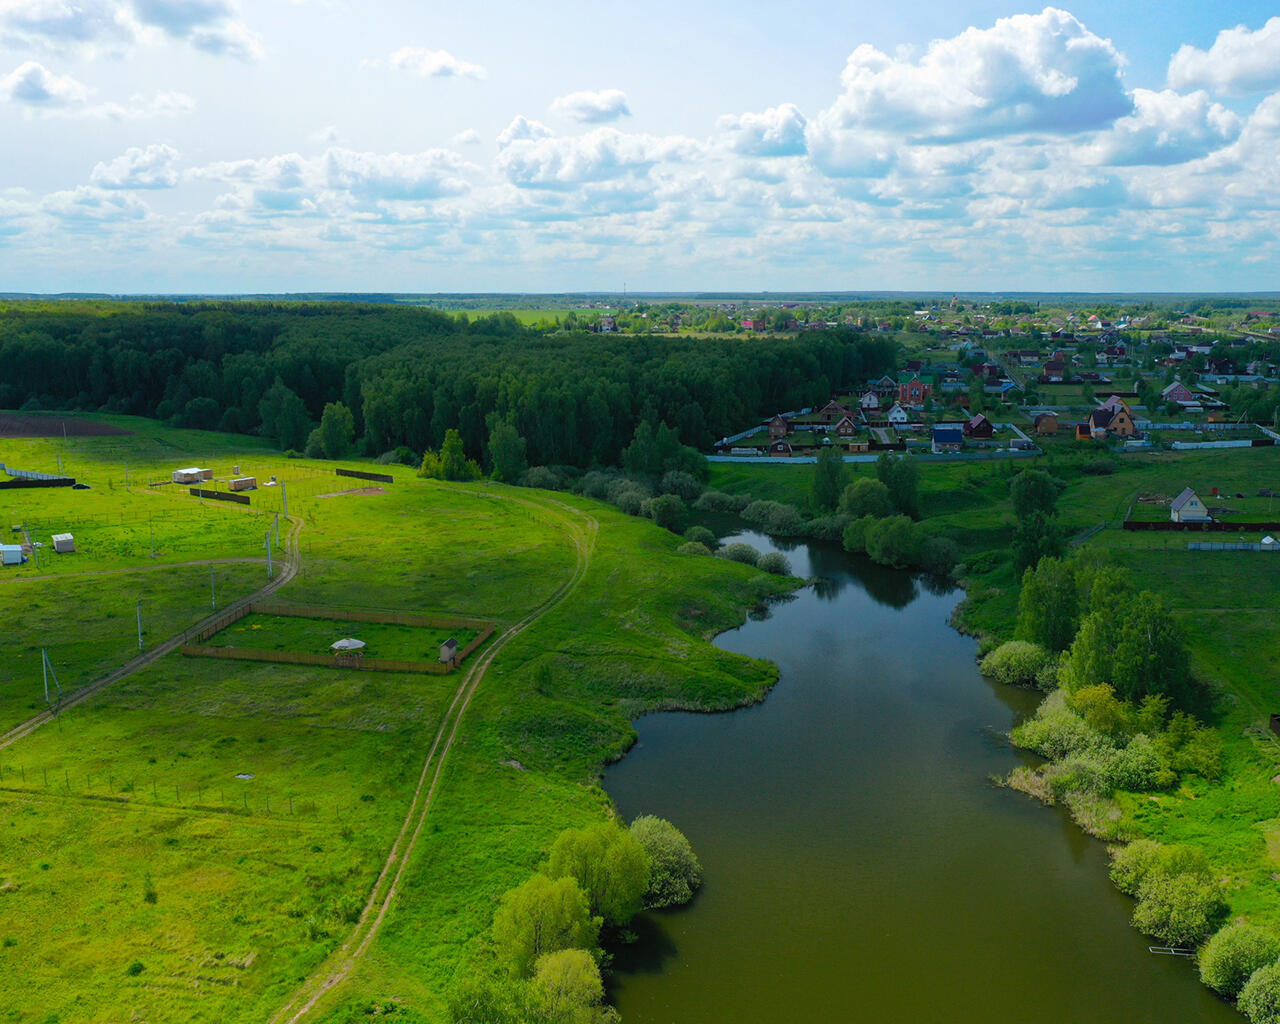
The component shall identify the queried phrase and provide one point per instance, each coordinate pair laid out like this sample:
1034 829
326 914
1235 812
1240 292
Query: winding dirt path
337 967
288 570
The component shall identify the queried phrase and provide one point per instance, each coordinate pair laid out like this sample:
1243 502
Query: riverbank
858 863
1223 600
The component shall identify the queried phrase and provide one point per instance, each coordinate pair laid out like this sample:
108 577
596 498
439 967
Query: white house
897 416
1188 508
191 475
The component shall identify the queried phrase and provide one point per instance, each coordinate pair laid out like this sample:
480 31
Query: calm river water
860 866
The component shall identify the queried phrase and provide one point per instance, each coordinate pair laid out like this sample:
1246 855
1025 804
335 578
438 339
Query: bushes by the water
1181 909
718 501
898 542
739 552
1260 997
667 510
774 562
701 535
693 547
1016 663
1233 954
674 871
683 485
866 498
608 863
775 518
541 916
829 528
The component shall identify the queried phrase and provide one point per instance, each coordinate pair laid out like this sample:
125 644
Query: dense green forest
409 375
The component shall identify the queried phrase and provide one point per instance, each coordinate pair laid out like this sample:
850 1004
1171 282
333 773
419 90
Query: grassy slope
141 786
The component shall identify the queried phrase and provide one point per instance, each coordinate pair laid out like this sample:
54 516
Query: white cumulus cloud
1027 73
598 155
1239 61
522 128
59 24
138 168
1167 127
33 85
431 63
778 131
212 26
433 174
593 107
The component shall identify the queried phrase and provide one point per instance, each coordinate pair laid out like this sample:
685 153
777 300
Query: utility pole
284 497
213 593
139 625
267 545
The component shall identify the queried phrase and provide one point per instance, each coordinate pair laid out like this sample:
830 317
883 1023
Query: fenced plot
303 635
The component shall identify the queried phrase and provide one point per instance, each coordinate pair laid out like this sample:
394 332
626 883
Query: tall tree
1048 607
337 430
507 450
828 480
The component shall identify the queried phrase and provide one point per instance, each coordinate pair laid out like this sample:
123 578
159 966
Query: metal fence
1204 545
437 668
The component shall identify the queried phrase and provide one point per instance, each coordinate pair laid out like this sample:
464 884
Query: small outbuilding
947 438
1188 508
781 449
64 543
449 651
980 427
244 483
192 475
11 554
1269 543
1046 423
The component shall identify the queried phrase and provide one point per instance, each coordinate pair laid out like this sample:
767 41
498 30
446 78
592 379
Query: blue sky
282 145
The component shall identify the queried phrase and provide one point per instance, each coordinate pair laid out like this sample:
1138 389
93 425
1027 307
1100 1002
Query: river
860 865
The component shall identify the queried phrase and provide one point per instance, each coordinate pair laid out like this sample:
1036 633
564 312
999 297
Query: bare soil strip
17 424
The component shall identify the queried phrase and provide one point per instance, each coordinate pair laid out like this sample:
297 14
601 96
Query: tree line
408 375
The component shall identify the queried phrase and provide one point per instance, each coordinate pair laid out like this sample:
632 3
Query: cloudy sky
283 145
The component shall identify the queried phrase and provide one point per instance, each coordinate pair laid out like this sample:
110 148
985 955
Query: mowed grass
315 636
88 624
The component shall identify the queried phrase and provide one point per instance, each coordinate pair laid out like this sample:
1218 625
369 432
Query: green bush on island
1260 997
1231 956
667 510
674 871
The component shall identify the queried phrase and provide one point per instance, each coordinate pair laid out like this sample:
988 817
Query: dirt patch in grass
354 490
15 424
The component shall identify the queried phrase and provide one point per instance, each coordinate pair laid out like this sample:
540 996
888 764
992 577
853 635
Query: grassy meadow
198 837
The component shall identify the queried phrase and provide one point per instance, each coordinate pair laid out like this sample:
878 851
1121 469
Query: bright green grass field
251 892
314 636
88 624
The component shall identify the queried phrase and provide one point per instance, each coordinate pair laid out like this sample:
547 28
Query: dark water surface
860 866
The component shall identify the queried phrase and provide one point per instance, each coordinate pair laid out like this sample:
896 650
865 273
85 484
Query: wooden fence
382 478
201 492
1213 527
325 660
305 611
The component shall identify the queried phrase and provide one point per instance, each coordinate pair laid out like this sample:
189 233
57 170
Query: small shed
979 426
64 543
1188 508
244 483
449 651
192 475
947 438
1269 543
780 449
11 554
